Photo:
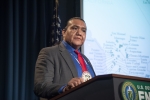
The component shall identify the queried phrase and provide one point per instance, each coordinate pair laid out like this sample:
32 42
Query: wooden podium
103 87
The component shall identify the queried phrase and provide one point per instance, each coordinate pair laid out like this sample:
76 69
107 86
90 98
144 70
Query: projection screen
118 36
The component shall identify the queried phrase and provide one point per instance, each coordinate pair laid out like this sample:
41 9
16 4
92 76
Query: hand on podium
73 83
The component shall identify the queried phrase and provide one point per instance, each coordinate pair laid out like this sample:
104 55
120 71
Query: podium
109 87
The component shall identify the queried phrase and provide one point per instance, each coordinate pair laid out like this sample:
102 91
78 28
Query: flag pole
56 2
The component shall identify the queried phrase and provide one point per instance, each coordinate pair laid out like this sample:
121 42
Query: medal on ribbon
86 76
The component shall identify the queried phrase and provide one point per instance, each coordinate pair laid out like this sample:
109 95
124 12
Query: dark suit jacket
54 69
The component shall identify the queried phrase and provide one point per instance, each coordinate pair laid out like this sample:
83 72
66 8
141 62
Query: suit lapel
67 57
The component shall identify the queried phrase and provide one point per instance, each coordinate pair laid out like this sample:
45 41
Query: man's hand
73 83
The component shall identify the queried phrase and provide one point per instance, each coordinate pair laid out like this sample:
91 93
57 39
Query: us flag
56 32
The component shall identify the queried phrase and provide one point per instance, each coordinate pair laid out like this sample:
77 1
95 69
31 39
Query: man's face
75 33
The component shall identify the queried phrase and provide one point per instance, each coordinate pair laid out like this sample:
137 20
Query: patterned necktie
81 60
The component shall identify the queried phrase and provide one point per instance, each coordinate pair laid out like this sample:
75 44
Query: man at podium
62 67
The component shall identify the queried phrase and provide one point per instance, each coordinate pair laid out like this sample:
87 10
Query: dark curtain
25 28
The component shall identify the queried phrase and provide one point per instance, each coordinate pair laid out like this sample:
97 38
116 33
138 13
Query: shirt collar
68 47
